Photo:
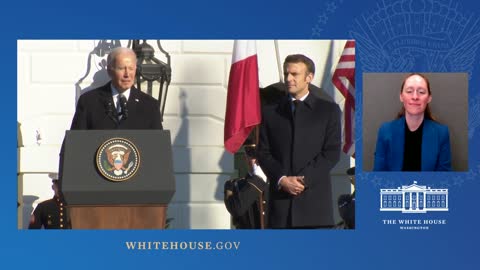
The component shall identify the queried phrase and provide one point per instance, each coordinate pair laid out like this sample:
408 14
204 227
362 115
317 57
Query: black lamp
150 69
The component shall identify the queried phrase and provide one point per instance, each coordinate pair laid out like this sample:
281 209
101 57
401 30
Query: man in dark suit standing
300 140
118 104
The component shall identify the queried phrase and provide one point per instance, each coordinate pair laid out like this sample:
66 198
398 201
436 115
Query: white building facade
414 199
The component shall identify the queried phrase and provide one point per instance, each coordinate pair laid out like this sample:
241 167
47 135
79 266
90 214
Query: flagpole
279 65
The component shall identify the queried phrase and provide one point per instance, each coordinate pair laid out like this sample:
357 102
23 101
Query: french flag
243 96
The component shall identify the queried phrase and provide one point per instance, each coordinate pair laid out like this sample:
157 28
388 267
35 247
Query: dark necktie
123 113
295 107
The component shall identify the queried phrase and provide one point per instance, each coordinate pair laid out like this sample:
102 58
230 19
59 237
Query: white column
417 199
381 200
446 200
403 204
424 200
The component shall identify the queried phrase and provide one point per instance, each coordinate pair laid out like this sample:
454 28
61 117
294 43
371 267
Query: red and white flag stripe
344 80
243 97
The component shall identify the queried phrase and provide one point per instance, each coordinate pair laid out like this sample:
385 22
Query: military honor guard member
51 214
246 197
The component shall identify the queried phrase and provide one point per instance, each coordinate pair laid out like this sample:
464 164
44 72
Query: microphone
123 107
108 108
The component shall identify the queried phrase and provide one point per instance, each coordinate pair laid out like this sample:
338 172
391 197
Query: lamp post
151 69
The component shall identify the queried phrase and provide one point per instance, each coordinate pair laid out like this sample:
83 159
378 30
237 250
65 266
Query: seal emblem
117 159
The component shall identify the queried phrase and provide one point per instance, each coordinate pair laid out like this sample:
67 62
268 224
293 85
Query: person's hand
293 184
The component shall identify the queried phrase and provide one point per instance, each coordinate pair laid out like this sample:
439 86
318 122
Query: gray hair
112 56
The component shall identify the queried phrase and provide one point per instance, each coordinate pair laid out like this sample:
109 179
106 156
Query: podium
117 179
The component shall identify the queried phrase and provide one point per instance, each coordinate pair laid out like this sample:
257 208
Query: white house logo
413 199
117 159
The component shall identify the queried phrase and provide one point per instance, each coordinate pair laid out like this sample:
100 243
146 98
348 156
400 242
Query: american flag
344 80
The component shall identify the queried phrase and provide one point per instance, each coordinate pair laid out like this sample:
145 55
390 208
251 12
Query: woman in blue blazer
414 141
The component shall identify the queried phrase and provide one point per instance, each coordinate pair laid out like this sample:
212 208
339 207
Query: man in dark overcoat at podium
118 104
